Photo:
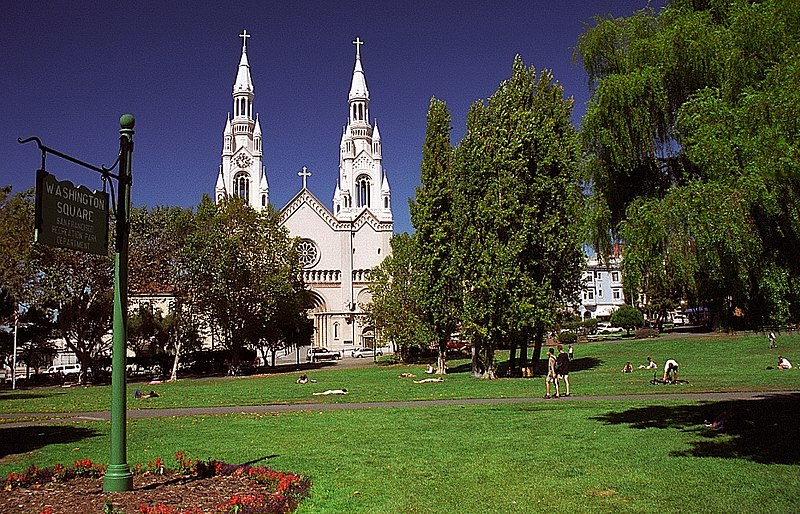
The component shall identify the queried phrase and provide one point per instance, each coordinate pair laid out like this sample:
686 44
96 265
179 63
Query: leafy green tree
35 346
157 254
516 201
241 263
16 234
396 311
692 146
438 274
78 288
627 317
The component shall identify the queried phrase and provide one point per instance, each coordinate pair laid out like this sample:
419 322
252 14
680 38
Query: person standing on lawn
562 367
552 377
671 370
772 343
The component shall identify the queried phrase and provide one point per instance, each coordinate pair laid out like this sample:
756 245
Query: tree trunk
537 347
512 361
173 377
441 359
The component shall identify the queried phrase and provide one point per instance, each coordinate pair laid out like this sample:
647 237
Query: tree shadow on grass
26 396
764 430
14 440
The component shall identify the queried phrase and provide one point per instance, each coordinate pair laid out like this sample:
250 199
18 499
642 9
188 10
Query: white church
339 245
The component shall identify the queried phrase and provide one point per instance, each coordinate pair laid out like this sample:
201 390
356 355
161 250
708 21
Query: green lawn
650 455
709 363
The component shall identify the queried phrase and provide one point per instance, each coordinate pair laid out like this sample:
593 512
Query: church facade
338 246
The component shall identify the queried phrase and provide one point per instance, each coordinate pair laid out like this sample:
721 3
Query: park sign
70 216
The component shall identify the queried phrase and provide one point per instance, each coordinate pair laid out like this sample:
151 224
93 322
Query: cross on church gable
305 174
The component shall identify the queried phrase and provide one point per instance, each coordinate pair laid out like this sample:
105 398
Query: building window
336 330
615 276
617 294
362 191
598 275
599 293
308 253
241 186
588 295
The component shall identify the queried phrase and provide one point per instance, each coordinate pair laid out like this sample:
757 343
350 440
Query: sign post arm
118 476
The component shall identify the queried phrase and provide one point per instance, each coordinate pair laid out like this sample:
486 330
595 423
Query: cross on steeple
305 174
358 44
244 35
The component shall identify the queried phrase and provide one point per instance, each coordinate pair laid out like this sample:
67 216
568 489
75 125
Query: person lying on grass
427 380
331 391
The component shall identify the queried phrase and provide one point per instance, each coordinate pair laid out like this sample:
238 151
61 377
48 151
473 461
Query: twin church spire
362 183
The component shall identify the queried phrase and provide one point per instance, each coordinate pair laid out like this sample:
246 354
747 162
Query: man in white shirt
783 363
671 370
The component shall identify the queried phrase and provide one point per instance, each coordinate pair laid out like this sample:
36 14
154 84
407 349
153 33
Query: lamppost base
118 478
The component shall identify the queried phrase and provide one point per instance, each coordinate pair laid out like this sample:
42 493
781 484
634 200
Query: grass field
652 455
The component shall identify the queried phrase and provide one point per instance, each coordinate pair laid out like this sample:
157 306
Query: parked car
64 369
606 328
680 320
365 352
317 354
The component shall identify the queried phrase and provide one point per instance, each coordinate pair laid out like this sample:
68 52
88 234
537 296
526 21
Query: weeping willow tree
691 144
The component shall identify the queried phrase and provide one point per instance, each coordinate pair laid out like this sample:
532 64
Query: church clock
242 161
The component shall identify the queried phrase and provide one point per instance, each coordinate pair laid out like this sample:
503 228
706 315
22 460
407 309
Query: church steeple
362 184
242 172
358 99
243 87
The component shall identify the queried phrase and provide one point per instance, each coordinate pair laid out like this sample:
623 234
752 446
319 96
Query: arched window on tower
241 186
362 191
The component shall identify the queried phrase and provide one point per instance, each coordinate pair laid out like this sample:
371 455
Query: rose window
309 255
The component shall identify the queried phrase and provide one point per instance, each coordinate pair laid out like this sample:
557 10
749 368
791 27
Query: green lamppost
118 476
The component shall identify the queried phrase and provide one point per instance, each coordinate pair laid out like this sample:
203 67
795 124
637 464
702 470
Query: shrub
567 337
645 332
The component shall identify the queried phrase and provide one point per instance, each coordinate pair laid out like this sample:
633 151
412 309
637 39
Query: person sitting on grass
651 364
783 363
671 370
304 379
429 370
628 367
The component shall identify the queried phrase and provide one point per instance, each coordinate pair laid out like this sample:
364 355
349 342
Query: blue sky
68 70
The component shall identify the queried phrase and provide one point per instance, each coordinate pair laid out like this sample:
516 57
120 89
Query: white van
64 369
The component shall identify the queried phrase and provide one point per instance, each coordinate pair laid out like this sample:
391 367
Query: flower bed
279 492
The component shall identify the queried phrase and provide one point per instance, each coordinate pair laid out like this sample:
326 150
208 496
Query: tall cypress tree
439 279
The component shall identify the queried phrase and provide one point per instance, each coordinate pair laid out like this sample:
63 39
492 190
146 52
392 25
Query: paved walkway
54 418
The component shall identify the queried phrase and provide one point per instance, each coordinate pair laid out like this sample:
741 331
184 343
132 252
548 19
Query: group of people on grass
670 368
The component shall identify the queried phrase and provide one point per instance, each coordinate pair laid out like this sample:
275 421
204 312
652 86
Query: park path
56 418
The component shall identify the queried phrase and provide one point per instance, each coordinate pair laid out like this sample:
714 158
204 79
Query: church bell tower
362 181
241 172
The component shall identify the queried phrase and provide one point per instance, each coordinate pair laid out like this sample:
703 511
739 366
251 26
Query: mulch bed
86 495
